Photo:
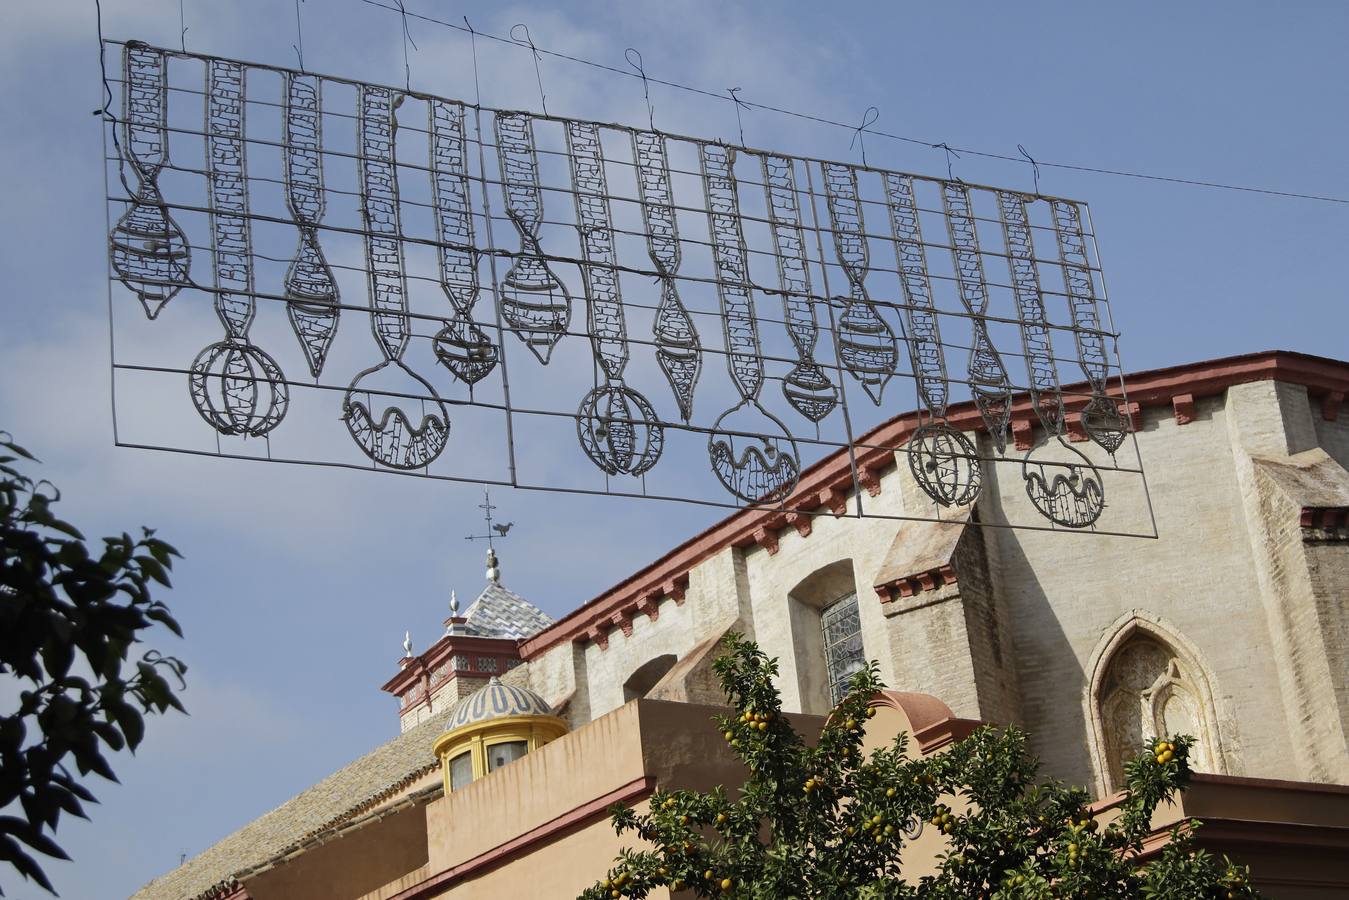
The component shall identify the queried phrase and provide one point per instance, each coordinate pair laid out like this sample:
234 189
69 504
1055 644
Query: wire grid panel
414 284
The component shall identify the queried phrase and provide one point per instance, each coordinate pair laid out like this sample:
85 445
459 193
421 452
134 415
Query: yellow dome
492 727
496 701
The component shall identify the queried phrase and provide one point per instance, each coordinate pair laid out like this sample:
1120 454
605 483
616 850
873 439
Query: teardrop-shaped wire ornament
313 302
989 383
147 248
806 387
943 461
617 427
236 387
866 344
534 301
678 348
1071 494
461 346
388 436
1101 418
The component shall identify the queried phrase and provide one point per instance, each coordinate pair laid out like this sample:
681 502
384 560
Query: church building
515 732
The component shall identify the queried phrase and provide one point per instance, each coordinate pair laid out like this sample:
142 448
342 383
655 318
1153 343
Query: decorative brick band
1325 523
447 658
917 583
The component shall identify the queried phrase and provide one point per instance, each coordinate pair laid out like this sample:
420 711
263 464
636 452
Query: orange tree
831 821
69 616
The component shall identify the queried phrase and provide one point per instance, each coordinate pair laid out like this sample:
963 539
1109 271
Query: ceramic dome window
492 728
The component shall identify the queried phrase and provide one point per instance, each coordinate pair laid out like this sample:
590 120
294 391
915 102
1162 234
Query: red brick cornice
916 583
825 486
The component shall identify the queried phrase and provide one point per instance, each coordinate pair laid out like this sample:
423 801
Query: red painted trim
767 538
649 606
917 583
801 522
1323 516
945 733
519 846
449 645
870 479
826 484
1330 405
1184 407
930 720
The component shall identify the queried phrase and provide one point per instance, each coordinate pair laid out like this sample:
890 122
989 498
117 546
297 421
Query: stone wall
1230 584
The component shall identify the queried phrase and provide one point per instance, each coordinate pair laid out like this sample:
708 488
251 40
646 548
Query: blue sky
298 583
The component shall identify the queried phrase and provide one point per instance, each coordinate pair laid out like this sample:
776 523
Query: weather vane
501 530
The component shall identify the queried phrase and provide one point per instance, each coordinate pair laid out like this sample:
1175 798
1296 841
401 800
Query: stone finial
493 567
407 645
454 613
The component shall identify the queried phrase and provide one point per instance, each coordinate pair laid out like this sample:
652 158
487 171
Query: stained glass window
843 653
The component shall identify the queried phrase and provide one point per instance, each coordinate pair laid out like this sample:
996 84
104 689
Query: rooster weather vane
463 225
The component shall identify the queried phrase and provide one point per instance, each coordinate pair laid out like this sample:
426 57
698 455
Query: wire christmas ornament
866 343
461 346
943 461
1101 418
752 453
617 426
237 388
148 249
683 250
991 387
806 387
677 343
311 288
1074 498
390 438
534 302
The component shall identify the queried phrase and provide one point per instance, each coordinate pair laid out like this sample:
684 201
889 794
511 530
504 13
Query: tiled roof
499 613
342 795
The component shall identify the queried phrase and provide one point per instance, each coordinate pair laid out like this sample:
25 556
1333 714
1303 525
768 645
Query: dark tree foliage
830 821
69 618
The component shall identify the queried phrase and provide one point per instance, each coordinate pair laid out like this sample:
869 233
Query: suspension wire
868 119
407 39
538 73
821 120
299 36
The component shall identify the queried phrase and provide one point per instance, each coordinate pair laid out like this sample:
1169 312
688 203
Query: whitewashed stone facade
1231 624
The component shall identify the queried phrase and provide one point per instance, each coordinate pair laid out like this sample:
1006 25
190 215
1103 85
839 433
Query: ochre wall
351 865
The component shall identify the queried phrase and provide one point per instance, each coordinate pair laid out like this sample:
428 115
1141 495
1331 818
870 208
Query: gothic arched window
1148 689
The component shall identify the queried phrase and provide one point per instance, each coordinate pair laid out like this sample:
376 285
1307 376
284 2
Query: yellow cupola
493 727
